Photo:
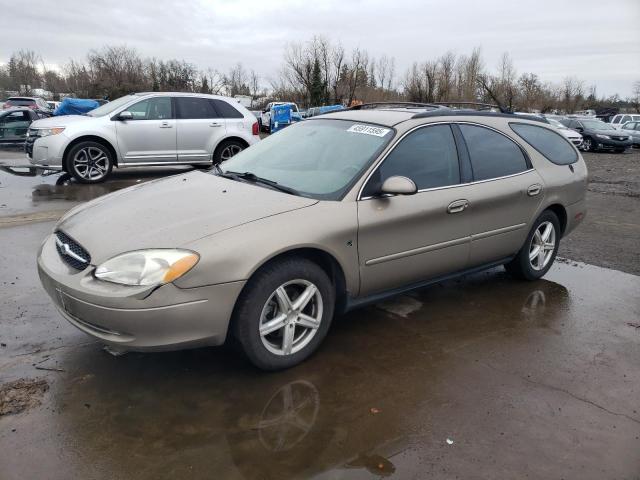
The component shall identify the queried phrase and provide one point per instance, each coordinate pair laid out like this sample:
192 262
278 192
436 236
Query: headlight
147 267
45 132
603 136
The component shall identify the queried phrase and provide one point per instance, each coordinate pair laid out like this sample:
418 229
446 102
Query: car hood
171 212
615 133
60 121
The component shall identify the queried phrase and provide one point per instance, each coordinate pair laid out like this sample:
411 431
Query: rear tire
539 251
89 162
226 150
284 313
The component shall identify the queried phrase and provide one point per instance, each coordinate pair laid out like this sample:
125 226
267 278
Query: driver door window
152 109
428 156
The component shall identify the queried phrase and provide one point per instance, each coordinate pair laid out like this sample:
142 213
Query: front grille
28 145
619 138
71 251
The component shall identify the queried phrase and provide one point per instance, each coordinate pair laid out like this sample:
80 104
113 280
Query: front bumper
47 151
137 318
611 144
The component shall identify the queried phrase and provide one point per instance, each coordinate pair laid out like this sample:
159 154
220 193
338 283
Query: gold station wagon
324 216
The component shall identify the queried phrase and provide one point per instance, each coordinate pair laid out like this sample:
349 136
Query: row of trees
314 72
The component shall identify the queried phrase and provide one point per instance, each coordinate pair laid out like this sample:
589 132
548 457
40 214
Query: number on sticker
368 130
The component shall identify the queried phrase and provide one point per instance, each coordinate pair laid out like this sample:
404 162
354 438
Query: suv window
194 108
428 156
616 119
625 119
550 144
158 108
492 154
225 110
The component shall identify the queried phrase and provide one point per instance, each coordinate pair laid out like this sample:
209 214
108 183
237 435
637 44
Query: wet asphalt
484 377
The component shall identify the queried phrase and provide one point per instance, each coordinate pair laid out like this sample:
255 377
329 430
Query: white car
142 129
618 120
265 116
571 135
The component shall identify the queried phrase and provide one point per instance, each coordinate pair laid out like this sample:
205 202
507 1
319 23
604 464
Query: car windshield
596 125
107 108
316 158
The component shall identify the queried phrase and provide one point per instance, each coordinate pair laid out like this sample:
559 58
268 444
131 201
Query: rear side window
550 144
195 108
428 156
225 110
616 119
492 154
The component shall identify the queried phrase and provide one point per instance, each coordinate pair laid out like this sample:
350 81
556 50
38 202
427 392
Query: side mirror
126 115
398 185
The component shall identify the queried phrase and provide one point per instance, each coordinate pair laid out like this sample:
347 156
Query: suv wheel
284 313
89 162
226 150
537 255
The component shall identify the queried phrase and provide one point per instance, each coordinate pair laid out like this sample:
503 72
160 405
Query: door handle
215 124
166 125
534 190
458 206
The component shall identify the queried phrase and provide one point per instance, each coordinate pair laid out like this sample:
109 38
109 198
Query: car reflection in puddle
381 396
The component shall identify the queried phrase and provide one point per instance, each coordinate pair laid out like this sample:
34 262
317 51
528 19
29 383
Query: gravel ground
609 236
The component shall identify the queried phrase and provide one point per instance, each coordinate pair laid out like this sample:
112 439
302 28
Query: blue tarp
280 117
330 108
75 106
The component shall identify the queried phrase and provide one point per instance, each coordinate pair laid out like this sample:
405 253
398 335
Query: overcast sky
594 40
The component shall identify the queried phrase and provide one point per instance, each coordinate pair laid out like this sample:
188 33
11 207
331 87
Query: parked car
586 113
573 136
618 120
633 130
143 129
265 115
14 124
35 103
597 135
327 215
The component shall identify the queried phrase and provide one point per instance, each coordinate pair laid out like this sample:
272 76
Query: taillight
255 129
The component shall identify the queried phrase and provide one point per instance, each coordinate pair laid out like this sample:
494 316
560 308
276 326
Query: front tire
537 255
284 313
589 145
89 162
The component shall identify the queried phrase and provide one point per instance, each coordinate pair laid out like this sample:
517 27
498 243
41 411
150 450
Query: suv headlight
603 136
147 267
45 132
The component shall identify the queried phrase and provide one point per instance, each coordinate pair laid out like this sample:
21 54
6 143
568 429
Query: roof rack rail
478 113
372 105
483 106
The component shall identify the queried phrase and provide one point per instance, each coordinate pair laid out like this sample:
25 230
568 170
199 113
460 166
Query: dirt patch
22 394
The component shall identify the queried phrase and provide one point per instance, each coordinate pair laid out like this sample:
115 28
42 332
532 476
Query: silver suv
142 129
325 216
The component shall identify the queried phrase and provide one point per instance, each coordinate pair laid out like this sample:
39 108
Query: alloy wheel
229 151
291 317
91 163
543 245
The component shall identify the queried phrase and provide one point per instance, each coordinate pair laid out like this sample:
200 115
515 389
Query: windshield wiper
253 178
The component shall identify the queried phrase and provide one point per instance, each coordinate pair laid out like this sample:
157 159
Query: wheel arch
89 138
323 259
561 213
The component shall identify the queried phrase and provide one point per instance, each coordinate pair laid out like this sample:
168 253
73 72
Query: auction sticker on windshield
368 130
